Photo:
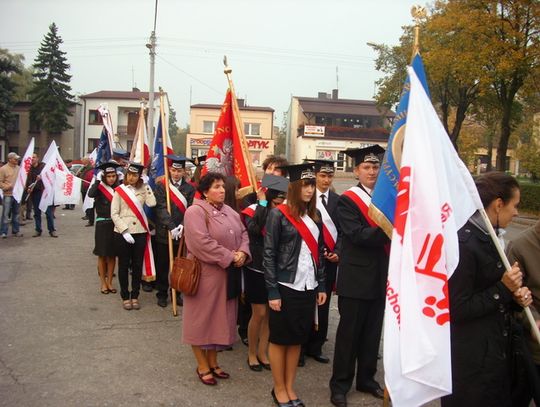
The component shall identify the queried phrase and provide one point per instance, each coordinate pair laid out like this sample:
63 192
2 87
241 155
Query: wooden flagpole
166 183
243 142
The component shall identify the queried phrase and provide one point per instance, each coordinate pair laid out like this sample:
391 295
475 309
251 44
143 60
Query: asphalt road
63 343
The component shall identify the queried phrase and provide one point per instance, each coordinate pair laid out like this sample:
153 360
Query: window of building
94 118
13 123
252 129
209 126
92 144
129 145
34 127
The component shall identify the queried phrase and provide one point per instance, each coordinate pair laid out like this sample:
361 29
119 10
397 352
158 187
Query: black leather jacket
282 244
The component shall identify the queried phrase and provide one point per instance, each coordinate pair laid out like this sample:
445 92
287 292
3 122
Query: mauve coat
209 318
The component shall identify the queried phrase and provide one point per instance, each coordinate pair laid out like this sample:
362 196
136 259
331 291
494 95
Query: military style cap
199 160
299 171
109 166
365 155
135 168
120 152
177 161
326 166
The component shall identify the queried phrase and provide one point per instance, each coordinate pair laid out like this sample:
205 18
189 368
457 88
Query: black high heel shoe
264 365
255 368
278 403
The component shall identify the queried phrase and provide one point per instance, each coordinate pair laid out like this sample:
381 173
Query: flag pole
240 129
166 183
418 13
141 136
507 266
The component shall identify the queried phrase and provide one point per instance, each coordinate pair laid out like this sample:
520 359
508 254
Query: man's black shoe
376 392
338 400
162 302
319 358
147 288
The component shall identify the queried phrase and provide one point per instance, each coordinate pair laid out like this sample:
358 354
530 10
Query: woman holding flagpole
102 190
131 232
295 279
482 297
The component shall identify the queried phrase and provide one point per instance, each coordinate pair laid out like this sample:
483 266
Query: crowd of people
270 262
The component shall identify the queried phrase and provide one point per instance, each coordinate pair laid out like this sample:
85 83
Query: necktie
323 199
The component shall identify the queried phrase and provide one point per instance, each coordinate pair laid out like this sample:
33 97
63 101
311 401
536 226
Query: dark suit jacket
164 221
363 265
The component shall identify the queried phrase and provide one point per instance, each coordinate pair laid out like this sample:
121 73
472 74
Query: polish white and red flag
436 196
140 151
22 176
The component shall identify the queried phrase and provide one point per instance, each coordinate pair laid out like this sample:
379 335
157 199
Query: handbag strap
182 246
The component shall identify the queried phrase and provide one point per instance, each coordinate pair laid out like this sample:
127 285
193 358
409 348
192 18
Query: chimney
335 94
322 95
240 102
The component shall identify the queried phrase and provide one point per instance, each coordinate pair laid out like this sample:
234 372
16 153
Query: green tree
9 67
51 96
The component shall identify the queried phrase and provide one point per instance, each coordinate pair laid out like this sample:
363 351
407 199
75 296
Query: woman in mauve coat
482 297
216 236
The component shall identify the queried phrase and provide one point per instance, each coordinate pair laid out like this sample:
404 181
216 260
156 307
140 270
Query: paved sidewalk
63 343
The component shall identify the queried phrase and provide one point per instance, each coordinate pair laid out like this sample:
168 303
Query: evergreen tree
50 96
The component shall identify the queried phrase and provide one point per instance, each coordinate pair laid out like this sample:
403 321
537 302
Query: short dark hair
206 182
494 185
277 160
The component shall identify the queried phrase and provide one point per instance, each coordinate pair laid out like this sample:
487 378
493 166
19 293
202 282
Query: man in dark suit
181 195
326 204
361 281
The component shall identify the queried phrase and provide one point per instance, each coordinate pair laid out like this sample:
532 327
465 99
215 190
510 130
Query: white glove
99 176
120 175
127 237
176 233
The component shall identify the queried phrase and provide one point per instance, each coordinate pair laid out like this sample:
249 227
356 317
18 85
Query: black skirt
104 239
294 323
255 287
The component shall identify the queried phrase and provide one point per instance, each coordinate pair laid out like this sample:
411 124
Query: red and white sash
330 232
177 197
106 190
149 270
362 199
250 210
307 234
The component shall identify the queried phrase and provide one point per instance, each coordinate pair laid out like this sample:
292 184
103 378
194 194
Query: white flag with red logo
26 163
47 176
436 196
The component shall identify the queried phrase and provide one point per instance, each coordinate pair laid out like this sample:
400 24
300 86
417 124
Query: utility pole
152 47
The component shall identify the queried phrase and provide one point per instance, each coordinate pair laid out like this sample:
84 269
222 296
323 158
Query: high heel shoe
278 403
219 375
255 368
208 382
264 365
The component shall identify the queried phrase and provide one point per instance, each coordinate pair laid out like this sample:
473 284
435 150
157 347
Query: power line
190 75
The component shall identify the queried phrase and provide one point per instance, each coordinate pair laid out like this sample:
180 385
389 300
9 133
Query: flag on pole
383 200
67 187
157 169
435 197
47 177
106 140
140 151
26 163
228 153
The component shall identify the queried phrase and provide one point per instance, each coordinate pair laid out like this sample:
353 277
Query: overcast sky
276 48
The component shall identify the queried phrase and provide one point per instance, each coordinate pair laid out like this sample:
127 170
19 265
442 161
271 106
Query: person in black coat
327 200
482 296
102 190
181 197
293 263
362 275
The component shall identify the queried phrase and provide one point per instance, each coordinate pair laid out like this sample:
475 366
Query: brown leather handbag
186 273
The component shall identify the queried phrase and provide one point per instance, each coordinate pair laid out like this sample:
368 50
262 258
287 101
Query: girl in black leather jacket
295 279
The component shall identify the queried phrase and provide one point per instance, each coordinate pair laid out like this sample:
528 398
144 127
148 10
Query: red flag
228 153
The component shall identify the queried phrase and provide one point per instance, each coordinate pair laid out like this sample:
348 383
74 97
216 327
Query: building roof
351 107
253 108
120 94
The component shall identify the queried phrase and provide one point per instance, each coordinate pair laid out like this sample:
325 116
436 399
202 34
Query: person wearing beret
181 195
293 263
102 190
130 234
361 283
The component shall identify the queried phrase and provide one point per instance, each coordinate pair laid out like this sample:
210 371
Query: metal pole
152 47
